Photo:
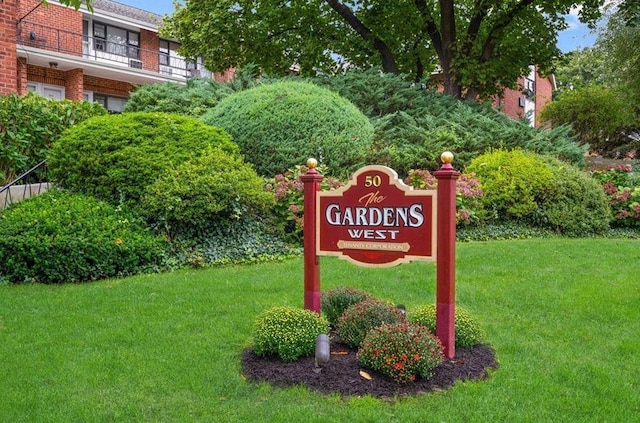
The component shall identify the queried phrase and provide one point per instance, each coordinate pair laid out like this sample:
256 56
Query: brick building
102 56
527 102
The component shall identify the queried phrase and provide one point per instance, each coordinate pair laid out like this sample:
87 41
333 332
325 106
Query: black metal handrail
29 188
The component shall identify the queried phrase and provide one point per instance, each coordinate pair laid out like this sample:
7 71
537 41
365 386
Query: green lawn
563 316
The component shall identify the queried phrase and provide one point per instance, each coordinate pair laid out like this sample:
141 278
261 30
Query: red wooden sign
376 220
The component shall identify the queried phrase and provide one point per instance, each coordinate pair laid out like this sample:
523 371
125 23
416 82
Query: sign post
311 181
446 263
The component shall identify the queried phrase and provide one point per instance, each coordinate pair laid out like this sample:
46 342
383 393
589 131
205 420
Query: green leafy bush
336 300
513 182
203 191
62 237
116 157
401 351
29 125
467 328
597 115
363 316
282 124
193 98
288 332
575 204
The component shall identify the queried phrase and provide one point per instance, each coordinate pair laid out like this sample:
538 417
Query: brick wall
108 86
74 85
509 103
46 75
22 76
544 94
149 41
60 27
8 56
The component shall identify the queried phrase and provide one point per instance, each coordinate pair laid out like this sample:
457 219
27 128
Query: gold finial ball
447 157
312 163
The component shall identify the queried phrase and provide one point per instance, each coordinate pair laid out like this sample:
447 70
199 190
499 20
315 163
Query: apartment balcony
52 47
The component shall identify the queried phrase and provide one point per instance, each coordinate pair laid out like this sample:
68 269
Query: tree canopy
478 46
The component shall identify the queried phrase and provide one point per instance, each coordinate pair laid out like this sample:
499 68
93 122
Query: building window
112 104
116 40
168 51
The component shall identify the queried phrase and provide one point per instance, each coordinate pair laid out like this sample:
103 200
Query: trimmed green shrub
336 300
468 330
203 191
363 316
281 125
401 351
193 98
115 157
29 125
63 237
513 183
575 204
288 332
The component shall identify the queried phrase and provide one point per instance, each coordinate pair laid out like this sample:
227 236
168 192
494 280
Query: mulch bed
342 373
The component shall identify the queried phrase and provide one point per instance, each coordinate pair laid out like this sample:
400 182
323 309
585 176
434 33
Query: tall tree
478 46
620 39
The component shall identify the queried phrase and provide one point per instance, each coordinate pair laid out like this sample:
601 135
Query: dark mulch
342 373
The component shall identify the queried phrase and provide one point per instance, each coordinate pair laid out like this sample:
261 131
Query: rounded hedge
282 124
288 332
575 204
63 237
115 157
467 328
203 191
513 182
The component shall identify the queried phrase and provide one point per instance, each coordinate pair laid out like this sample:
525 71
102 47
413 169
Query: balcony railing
101 50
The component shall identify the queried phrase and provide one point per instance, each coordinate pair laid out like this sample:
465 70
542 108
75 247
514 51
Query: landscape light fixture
323 351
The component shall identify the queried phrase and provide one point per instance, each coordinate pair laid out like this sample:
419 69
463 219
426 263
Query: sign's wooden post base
311 181
446 261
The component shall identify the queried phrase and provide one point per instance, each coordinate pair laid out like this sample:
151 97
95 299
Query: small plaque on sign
376 220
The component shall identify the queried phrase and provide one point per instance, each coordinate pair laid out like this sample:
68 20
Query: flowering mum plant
468 193
363 316
467 329
401 351
288 332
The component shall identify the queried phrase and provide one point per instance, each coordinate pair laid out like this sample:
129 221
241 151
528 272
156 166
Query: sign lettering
376 220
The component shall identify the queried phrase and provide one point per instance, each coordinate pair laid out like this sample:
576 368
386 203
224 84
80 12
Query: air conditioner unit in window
135 63
166 70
